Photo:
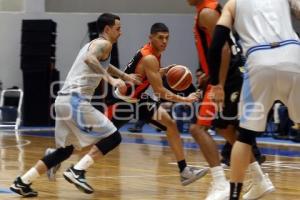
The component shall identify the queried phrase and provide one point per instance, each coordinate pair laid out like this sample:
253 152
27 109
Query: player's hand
217 95
193 97
120 84
133 78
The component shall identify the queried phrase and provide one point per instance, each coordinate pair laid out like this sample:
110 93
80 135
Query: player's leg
94 128
22 184
220 186
188 174
255 102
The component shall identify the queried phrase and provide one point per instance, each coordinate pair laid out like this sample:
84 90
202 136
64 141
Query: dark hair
106 19
159 27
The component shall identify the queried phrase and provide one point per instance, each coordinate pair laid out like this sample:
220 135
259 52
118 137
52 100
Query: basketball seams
179 77
186 73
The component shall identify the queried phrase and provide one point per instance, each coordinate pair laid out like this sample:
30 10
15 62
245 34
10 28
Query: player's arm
99 50
134 78
151 67
208 19
163 71
220 37
295 6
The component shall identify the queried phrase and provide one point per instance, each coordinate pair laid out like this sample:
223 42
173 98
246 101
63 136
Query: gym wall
72 34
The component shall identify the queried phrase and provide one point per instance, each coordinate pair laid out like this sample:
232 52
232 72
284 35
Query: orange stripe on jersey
110 111
202 37
148 50
134 68
140 88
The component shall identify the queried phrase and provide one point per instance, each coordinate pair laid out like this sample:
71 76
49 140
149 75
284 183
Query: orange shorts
207 110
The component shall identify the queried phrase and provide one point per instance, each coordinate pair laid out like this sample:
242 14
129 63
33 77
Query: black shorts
122 112
229 116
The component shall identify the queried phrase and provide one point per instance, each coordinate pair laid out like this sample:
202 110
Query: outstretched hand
134 78
193 97
120 84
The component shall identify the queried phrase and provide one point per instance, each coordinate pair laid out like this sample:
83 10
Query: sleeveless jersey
137 90
203 42
202 37
81 78
265 26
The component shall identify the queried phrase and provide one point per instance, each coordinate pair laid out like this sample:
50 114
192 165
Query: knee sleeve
109 143
58 156
247 136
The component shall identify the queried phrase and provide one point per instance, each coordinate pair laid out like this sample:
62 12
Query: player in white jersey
76 118
272 49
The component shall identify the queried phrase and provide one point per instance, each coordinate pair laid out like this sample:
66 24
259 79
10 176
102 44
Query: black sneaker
22 189
77 177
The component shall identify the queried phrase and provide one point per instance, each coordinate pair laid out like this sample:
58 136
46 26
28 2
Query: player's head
159 36
110 25
194 2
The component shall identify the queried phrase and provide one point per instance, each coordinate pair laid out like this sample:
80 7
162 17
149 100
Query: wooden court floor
133 171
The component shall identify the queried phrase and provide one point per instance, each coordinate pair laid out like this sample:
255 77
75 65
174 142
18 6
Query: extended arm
99 50
151 66
216 51
208 19
112 70
220 37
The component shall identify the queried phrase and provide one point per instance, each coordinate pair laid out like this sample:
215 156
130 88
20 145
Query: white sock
256 171
218 174
84 163
30 176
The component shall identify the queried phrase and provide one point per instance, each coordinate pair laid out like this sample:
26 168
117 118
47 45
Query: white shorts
270 76
79 123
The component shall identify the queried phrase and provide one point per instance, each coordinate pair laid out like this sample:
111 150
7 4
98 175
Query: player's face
160 40
193 2
115 31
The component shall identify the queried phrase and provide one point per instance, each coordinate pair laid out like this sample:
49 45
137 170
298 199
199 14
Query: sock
84 163
181 165
235 190
30 176
256 171
218 174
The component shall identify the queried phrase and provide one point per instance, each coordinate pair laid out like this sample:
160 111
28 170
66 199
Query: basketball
179 77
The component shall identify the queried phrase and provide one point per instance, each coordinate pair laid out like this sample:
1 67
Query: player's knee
109 143
59 155
193 129
170 123
247 136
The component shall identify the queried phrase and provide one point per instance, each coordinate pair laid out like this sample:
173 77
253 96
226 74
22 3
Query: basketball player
272 49
76 118
208 12
139 105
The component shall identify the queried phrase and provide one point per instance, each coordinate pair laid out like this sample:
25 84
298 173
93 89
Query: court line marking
26 142
158 135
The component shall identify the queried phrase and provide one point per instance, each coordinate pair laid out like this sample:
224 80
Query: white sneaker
52 171
191 174
259 188
220 191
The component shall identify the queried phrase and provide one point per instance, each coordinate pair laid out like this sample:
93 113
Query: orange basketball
179 77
